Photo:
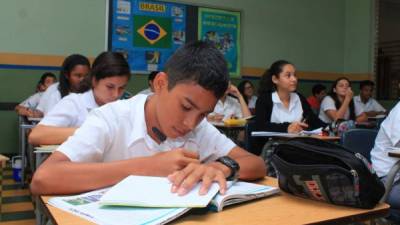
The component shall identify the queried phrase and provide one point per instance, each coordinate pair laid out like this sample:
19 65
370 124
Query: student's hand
215 117
175 160
233 90
296 127
349 93
184 180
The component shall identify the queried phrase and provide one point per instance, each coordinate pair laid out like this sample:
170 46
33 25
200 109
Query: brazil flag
152 32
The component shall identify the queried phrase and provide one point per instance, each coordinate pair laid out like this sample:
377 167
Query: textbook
241 192
87 206
135 191
105 206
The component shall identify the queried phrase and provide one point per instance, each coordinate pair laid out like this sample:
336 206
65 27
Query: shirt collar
294 99
139 127
89 101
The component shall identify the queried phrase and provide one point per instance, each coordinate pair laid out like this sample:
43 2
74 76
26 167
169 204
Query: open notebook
148 200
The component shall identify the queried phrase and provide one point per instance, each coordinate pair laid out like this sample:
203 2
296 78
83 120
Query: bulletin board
147 33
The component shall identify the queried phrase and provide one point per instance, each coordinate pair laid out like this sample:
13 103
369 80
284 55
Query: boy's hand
175 160
184 180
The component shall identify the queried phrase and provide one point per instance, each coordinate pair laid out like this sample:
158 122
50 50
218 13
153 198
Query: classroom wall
323 38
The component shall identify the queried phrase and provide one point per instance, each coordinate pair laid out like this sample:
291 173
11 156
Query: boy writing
164 134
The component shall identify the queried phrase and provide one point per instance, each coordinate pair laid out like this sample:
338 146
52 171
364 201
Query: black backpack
324 171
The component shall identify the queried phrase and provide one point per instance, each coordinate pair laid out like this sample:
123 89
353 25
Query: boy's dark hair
152 75
200 62
366 83
266 84
107 64
46 75
68 65
316 89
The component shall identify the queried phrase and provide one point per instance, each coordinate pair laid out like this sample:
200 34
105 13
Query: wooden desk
280 209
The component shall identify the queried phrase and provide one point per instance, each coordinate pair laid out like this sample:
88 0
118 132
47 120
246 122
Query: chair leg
389 181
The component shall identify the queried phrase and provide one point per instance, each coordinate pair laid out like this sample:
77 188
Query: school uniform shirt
387 138
329 104
71 111
370 105
49 98
117 131
272 115
231 107
252 102
146 91
33 100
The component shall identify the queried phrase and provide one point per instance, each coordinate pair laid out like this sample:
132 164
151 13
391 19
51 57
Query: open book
134 201
241 192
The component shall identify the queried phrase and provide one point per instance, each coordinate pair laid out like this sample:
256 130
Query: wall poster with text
147 33
223 28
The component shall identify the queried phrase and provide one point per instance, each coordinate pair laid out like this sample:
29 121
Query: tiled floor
16 202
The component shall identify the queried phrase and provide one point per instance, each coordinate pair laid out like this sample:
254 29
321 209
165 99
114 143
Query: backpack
324 171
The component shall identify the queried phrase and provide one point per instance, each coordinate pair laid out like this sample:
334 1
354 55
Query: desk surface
280 209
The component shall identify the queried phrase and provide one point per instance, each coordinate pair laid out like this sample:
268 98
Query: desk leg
23 155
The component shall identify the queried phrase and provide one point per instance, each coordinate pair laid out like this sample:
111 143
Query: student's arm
310 118
243 105
339 113
50 135
59 175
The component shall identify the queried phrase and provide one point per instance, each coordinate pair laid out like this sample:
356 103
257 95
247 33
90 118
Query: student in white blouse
246 88
73 70
163 134
388 138
365 103
230 105
339 104
108 79
28 106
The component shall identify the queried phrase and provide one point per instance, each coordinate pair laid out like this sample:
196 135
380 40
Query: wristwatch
231 164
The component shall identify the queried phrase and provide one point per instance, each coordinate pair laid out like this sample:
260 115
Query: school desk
281 209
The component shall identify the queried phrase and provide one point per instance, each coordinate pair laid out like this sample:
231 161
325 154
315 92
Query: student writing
164 134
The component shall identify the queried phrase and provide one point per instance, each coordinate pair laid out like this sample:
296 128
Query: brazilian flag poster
223 28
147 33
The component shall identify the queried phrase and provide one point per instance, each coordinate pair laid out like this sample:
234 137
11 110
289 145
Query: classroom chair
359 140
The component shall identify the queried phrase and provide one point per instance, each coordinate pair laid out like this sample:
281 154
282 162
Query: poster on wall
223 28
147 33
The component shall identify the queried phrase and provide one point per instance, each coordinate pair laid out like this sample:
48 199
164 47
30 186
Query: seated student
246 88
388 138
365 103
279 107
150 89
164 134
108 78
339 104
28 106
318 93
230 105
73 70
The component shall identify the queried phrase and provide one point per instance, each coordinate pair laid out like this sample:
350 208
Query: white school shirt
146 91
371 105
281 114
230 107
329 104
71 111
33 100
49 98
117 131
387 138
252 102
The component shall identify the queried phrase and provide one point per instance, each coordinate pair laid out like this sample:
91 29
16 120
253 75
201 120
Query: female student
28 107
109 77
230 105
279 107
246 88
339 104
74 69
